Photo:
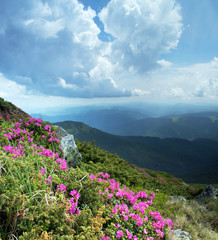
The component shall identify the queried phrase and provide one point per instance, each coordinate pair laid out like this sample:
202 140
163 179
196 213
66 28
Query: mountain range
177 121
193 160
187 126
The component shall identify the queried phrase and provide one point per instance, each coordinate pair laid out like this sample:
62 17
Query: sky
67 52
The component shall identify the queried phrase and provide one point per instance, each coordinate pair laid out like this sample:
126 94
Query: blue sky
70 52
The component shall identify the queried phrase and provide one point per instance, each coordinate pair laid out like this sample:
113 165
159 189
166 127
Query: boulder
69 148
180 198
181 235
208 192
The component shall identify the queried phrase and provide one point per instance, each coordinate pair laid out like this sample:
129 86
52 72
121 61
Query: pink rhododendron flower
110 195
61 188
48 181
129 234
160 233
47 127
117 226
42 171
75 194
50 139
38 124
78 211
30 139
119 234
92 176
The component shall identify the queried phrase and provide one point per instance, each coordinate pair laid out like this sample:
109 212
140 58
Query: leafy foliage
41 198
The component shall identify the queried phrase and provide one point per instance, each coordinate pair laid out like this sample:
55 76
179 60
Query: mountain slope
42 197
177 121
187 126
183 158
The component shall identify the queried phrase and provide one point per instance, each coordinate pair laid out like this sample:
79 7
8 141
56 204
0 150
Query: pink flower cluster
163 180
74 202
15 151
62 164
61 188
134 208
20 133
49 179
176 181
12 115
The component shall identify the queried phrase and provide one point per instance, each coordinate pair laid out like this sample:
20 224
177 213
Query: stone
69 148
60 132
180 198
181 235
208 192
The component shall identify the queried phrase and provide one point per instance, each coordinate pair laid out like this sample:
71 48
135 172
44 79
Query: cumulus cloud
142 31
65 85
53 47
193 82
165 64
10 88
102 88
47 40
207 88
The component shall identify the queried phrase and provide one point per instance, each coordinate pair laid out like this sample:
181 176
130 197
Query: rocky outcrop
181 235
70 150
180 198
209 192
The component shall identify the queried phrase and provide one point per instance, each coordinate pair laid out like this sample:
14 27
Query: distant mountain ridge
194 161
187 126
130 121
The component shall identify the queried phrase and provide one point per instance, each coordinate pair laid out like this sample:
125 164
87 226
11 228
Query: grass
198 220
31 207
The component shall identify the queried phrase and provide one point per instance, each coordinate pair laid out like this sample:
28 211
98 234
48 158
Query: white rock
181 235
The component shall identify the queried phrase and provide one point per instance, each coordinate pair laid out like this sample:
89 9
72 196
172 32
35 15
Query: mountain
177 121
107 118
194 161
187 126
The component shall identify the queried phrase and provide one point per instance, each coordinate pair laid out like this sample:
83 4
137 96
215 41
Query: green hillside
188 126
194 161
103 197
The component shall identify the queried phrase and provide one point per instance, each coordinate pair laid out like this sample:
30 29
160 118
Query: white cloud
165 64
10 88
103 69
45 29
142 31
214 62
207 88
140 92
53 47
184 83
176 92
63 84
